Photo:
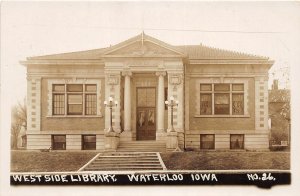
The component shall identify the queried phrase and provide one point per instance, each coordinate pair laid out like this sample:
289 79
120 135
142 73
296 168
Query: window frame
243 144
53 147
211 91
83 142
214 142
83 103
58 104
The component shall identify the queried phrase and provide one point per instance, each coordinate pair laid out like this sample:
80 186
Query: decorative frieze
113 80
175 79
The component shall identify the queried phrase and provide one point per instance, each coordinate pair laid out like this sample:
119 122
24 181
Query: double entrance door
146 113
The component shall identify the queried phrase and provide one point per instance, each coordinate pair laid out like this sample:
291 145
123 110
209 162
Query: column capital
127 73
160 73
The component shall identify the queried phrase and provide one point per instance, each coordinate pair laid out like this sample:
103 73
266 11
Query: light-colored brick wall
38 141
257 141
73 142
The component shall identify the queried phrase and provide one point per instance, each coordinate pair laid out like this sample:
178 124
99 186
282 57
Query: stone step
140 150
127 156
125 166
136 146
107 160
125 162
141 144
130 153
122 169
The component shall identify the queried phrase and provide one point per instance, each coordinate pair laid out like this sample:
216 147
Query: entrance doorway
146 110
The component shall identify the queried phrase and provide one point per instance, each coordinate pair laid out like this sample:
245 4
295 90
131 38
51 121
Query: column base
111 141
172 142
126 136
161 136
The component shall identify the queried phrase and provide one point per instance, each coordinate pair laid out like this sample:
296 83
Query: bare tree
18 121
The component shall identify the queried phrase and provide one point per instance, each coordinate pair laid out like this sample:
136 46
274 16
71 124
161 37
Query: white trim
223 80
73 81
90 161
161 161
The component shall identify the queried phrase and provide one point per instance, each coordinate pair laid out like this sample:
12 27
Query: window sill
75 116
221 116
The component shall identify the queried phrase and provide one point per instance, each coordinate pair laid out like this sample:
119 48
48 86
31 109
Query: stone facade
222 97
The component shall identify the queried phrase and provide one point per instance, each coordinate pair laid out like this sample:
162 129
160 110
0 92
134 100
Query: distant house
222 97
279 112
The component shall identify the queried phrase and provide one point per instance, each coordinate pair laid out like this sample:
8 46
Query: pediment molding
143 46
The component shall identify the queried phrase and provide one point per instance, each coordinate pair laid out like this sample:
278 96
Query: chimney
275 85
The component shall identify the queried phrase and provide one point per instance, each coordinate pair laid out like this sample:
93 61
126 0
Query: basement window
207 141
89 142
58 142
236 141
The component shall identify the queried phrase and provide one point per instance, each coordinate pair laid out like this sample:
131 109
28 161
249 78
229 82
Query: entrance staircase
125 161
142 146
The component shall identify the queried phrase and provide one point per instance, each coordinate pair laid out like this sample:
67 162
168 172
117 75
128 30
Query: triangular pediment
144 46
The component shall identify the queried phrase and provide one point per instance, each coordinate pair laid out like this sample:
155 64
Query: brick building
221 97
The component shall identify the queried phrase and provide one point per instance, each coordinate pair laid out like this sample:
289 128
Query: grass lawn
226 160
34 161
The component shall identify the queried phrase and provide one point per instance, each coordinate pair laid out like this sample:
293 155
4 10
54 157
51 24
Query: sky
35 28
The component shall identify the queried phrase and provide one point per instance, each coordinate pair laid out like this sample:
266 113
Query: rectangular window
58 142
89 142
74 87
74 104
221 99
238 103
90 104
237 87
58 88
58 104
205 87
205 103
236 141
90 88
207 141
222 87
74 99
222 103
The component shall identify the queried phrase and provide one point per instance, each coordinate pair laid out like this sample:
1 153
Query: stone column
160 134
126 135
127 101
160 101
